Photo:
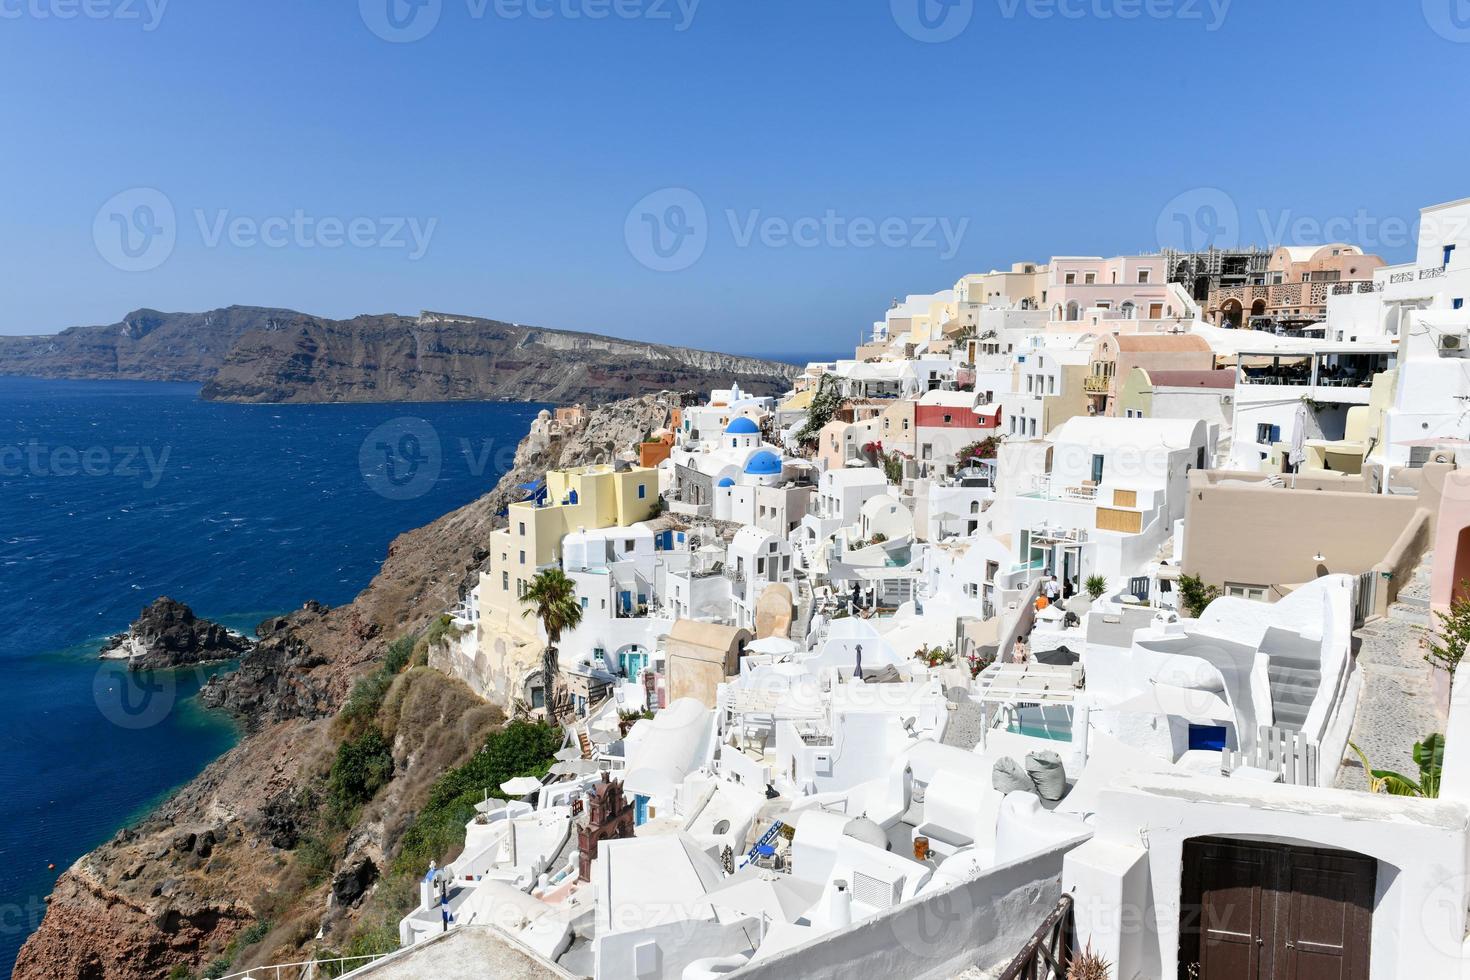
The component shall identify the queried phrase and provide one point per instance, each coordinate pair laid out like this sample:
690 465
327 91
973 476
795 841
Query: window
523 529
1459 304
1051 384
1033 428
505 581
584 602
1097 468
1449 251
1268 433
1071 278
1090 279
1143 277
1253 592
523 558
628 545
642 490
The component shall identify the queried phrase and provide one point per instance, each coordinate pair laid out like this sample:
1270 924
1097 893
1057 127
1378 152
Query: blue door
640 810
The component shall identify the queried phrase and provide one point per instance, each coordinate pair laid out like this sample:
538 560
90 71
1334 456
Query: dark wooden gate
1262 911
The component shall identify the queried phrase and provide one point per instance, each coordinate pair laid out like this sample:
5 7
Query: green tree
1195 595
824 406
1096 585
552 598
1447 644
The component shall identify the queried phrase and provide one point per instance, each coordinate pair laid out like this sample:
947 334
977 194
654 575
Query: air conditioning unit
882 888
1451 342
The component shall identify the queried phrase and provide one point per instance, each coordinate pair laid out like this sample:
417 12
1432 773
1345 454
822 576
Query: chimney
839 912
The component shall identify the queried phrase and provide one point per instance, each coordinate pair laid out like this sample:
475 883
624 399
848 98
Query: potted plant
1095 585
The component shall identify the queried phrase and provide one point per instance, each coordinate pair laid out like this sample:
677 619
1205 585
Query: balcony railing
1096 384
1434 273
1048 953
1397 277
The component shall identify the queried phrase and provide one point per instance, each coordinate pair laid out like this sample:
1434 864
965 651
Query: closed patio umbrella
1299 438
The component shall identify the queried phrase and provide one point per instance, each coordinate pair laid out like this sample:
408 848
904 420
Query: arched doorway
1258 308
1232 313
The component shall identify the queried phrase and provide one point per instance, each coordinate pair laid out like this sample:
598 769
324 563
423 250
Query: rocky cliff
254 354
145 345
236 862
167 634
437 357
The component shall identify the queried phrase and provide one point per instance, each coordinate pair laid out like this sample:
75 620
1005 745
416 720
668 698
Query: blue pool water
112 494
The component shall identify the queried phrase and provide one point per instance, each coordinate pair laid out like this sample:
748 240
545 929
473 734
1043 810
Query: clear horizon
712 175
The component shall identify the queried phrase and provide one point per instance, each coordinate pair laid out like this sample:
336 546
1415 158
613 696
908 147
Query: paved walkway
469 953
1396 707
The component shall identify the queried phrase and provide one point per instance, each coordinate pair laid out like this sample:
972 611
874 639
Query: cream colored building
584 498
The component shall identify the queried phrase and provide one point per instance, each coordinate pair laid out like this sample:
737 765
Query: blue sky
841 152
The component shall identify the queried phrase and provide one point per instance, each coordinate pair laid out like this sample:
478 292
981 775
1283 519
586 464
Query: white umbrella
779 897
520 786
774 646
1299 437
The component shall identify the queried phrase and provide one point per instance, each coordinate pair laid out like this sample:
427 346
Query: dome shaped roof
742 426
763 463
866 831
726 481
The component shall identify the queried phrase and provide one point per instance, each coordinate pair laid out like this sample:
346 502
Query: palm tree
552 598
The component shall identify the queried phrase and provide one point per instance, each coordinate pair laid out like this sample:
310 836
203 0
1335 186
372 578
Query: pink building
1127 287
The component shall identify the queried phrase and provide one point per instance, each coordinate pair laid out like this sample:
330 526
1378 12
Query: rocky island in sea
167 634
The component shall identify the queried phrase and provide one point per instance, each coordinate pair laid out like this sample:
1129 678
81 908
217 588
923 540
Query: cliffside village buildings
1049 614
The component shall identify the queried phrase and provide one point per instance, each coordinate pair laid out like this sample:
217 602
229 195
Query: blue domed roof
742 426
725 481
763 463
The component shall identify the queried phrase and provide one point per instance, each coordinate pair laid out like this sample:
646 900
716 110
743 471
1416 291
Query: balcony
1096 384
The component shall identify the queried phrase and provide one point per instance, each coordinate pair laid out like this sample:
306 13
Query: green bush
362 767
521 748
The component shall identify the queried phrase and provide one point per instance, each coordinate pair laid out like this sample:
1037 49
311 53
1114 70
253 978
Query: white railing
304 968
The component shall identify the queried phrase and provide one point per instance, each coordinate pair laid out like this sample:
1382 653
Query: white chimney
839 912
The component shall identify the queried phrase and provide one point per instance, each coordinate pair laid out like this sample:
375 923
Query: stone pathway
1396 707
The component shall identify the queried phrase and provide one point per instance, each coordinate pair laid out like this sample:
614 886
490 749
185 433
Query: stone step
1412 615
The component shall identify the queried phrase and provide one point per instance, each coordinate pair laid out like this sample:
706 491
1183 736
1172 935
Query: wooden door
1260 911
1225 921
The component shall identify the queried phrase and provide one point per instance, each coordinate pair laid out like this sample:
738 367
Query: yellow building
587 497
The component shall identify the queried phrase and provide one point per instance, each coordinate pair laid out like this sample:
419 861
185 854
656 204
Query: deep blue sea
114 493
